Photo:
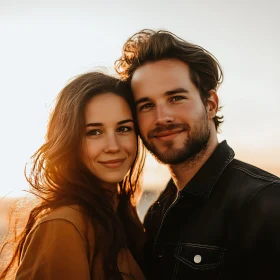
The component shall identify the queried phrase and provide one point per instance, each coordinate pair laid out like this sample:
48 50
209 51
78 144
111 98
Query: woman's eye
145 106
124 129
93 132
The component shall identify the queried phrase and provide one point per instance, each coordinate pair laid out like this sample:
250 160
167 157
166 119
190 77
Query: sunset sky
45 43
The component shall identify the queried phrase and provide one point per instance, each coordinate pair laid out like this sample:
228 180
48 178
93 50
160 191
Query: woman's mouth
113 163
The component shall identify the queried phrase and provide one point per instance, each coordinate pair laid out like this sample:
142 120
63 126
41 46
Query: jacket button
197 259
160 253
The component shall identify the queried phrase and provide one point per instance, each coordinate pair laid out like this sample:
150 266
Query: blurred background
46 43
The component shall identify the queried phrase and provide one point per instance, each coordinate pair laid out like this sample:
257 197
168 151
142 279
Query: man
218 218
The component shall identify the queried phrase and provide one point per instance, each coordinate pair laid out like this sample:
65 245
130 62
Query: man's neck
184 172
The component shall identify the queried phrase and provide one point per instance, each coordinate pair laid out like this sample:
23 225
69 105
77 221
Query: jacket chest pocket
196 261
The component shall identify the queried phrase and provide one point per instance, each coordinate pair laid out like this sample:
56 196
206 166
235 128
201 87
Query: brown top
62 246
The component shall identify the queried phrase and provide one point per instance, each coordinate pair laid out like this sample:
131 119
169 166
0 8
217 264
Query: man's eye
146 106
124 129
177 98
93 132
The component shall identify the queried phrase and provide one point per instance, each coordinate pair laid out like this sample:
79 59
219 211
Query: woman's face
109 147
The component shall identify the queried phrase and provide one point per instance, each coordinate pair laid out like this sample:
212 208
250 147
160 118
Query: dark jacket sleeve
261 238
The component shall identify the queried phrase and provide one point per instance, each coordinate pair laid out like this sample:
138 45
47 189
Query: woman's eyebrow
126 121
94 124
101 124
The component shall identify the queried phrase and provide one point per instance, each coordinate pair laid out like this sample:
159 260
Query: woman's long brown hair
59 178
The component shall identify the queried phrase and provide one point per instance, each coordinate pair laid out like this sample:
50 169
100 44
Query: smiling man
218 217
174 122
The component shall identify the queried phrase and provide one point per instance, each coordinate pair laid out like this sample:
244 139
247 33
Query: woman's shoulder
72 213
67 220
69 214
60 237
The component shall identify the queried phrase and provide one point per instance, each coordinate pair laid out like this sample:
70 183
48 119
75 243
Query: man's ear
212 104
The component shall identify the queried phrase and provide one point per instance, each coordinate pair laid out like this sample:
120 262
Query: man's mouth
167 135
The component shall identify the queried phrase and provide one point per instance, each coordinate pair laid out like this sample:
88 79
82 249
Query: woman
87 177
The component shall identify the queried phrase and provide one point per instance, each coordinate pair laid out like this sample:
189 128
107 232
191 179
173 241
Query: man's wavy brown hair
150 46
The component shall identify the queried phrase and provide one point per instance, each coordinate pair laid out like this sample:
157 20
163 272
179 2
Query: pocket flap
199 256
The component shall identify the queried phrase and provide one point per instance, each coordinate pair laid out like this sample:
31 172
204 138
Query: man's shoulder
244 170
242 182
254 191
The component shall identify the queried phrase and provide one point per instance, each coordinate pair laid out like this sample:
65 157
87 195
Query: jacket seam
255 192
177 264
228 161
266 178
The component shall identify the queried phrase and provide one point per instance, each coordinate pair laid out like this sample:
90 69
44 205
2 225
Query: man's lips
167 130
168 134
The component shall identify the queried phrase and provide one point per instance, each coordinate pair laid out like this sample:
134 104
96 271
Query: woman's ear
212 104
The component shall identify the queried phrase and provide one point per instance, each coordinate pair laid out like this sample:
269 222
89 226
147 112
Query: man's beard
195 145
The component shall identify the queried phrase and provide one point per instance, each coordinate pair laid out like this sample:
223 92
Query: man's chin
166 153
166 156
173 156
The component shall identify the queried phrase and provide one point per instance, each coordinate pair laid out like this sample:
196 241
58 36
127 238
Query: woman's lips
114 163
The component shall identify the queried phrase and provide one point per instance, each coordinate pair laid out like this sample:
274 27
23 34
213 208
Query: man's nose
163 115
112 144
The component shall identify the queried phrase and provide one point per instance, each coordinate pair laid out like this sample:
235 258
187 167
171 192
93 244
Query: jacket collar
204 180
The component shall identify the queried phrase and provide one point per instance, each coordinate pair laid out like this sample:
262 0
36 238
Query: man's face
173 120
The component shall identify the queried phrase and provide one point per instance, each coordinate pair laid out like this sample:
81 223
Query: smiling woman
86 175
110 144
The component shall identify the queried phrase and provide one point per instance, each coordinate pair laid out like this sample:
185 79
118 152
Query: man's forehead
167 67
160 77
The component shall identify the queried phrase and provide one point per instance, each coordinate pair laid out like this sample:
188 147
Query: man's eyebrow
167 93
141 100
101 124
176 90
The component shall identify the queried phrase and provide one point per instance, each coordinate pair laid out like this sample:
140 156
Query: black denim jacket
225 224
